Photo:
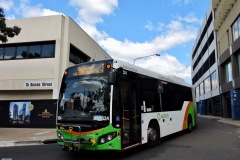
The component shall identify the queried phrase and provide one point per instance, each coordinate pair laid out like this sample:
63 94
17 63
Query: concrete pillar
224 105
213 107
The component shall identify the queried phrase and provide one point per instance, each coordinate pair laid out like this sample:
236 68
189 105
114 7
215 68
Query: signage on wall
28 113
39 84
45 114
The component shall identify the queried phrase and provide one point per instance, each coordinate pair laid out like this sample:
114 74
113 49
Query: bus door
131 119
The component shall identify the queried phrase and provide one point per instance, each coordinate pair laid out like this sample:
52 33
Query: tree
5 31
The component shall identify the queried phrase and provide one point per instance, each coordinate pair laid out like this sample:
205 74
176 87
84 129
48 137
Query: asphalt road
211 140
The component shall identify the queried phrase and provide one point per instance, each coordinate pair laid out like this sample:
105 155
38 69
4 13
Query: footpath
27 136
38 136
223 120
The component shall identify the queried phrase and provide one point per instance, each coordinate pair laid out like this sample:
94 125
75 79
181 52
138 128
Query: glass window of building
28 50
76 56
238 63
214 80
9 53
228 72
34 51
235 30
201 89
48 50
1 53
197 91
238 22
207 84
21 52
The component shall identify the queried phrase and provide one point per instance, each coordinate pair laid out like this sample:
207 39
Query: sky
130 29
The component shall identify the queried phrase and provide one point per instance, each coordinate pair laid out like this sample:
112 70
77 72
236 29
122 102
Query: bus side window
149 93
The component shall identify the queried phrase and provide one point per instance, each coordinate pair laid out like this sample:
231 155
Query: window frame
214 80
1 52
236 29
228 72
13 54
238 59
201 88
17 47
197 94
207 84
16 56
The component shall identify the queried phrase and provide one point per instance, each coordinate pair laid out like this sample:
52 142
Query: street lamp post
145 57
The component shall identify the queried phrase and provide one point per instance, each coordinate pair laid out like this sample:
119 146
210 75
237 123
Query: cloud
182 2
160 27
176 34
6 4
91 11
190 18
93 32
26 10
166 64
149 26
127 49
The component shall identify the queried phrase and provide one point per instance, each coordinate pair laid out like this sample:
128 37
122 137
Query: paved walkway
26 136
36 136
223 120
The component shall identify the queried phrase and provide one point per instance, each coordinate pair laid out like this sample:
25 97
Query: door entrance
130 109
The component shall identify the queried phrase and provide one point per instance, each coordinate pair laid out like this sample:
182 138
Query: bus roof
131 67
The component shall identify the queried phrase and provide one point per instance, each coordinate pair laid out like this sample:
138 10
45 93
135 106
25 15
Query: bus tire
190 124
153 134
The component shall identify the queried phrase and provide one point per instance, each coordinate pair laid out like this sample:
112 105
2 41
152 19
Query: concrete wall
224 34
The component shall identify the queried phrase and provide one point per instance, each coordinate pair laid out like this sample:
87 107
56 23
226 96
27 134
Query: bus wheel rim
152 134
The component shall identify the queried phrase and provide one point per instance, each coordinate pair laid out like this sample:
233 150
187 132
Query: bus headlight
107 137
102 140
59 136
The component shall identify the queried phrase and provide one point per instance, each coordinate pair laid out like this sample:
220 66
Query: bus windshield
84 98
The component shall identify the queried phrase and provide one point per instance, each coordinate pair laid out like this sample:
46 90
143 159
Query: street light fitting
145 57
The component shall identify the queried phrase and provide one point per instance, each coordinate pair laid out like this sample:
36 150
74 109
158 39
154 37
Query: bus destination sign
89 69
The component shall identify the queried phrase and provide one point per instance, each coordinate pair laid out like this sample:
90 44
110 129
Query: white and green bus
114 105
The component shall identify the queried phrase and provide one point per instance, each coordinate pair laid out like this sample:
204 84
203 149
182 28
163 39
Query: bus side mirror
160 88
111 78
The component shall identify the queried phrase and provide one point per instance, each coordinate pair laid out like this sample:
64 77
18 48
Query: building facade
205 67
32 65
227 27
217 86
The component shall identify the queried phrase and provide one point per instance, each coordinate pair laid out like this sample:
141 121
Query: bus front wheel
153 135
190 125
